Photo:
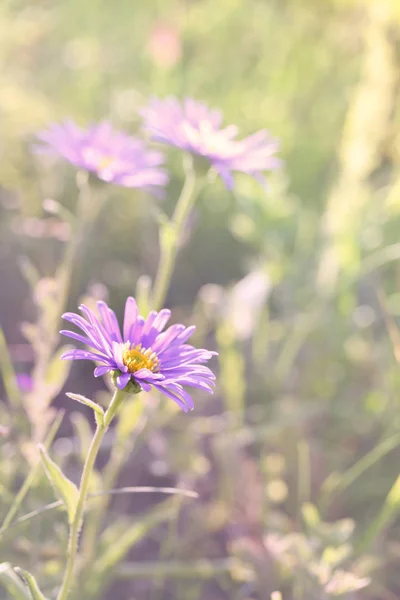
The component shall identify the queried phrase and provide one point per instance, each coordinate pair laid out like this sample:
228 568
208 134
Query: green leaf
30 583
129 535
387 514
57 372
12 583
202 568
65 489
8 374
99 419
33 473
99 413
336 483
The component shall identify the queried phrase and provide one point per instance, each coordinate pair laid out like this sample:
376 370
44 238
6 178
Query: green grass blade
8 374
335 483
385 516
33 473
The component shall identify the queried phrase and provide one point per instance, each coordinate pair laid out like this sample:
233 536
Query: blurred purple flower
24 382
112 156
144 354
194 127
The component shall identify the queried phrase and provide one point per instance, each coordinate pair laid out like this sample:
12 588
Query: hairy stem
170 243
83 491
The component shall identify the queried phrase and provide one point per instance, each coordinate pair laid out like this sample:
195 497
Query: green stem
170 243
83 490
112 470
120 452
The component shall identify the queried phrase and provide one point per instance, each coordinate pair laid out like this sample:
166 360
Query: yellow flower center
136 358
105 162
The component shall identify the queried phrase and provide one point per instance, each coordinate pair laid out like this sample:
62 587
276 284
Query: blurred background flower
194 127
113 156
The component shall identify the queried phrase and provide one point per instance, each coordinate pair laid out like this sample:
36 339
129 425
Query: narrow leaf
30 583
387 514
180 569
63 486
57 371
8 374
336 483
99 418
130 536
93 405
31 476
10 581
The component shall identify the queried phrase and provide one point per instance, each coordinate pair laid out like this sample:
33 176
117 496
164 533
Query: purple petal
80 338
145 386
99 371
147 375
110 322
123 380
171 395
167 337
78 354
130 316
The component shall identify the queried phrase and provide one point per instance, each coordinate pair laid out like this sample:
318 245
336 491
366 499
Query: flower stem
120 452
83 490
171 237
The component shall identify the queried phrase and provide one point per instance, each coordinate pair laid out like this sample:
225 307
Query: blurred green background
296 457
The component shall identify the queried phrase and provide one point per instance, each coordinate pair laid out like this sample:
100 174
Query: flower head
144 353
113 156
194 127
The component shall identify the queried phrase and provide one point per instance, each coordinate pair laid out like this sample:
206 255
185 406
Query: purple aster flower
112 156
194 127
144 354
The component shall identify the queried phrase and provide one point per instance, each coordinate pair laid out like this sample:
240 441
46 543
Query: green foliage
116 541
296 456
98 411
57 372
30 583
8 374
12 583
64 488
